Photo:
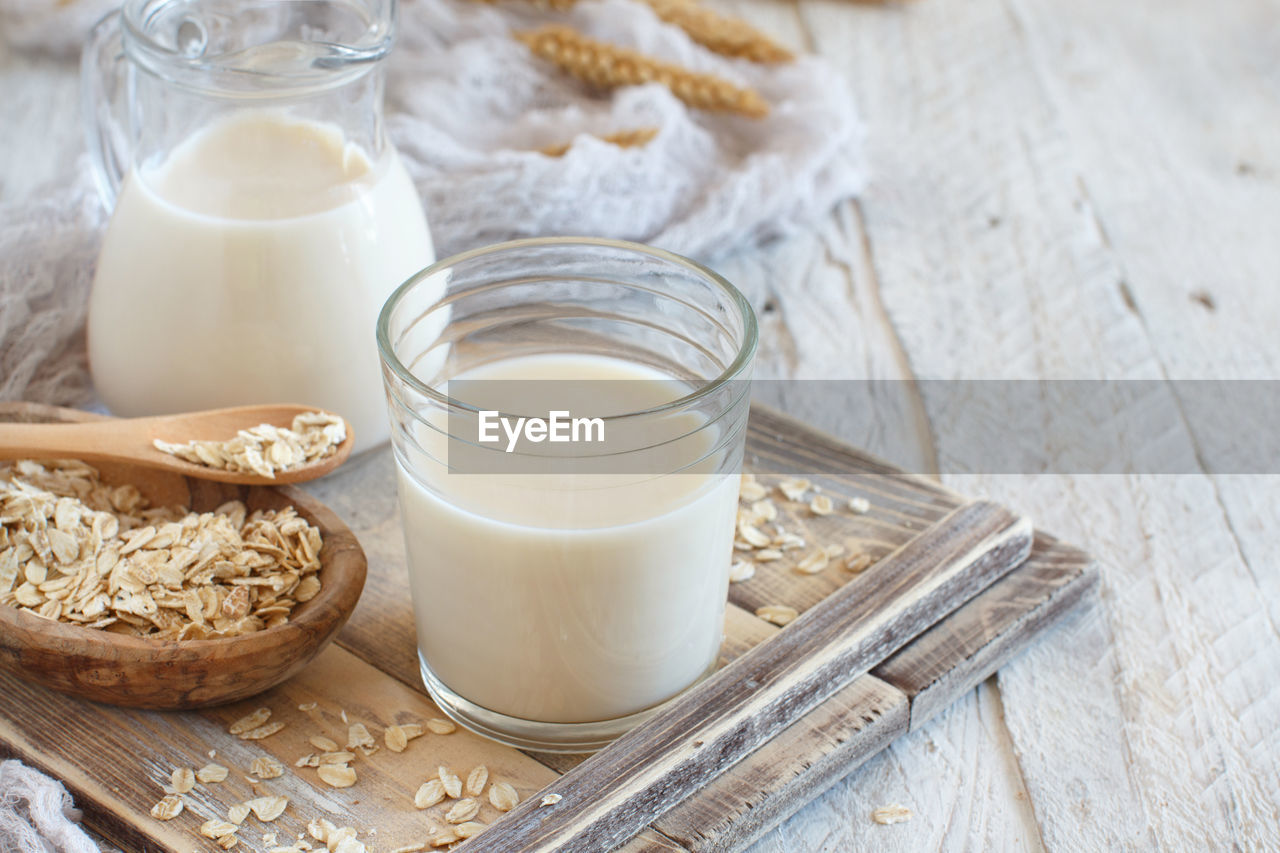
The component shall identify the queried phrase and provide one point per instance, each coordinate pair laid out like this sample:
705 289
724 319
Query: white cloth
36 815
47 252
467 103
49 27
468 106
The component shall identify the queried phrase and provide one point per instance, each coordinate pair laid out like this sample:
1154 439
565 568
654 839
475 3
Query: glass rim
742 359
347 62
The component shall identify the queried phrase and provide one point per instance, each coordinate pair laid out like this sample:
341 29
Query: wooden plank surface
960 651
1054 189
810 754
786 773
118 760
362 494
614 794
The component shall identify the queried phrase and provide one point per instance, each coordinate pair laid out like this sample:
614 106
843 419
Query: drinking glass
563 590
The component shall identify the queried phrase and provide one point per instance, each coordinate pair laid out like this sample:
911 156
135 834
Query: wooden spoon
130 440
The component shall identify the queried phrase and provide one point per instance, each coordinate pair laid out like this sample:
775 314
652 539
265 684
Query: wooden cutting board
116 761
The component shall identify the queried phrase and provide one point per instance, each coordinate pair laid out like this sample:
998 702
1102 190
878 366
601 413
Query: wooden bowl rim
345 564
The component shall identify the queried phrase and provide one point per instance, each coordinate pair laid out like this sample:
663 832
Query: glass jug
259 219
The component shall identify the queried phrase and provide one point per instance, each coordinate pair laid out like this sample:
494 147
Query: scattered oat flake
211 773
551 800
891 814
337 775
462 811
765 510
444 839
753 536
226 842
395 738
469 828
266 767
503 796
860 506
307 706
834 551
169 807
813 564
858 563
410 848
238 813
347 843
441 727
429 793
323 743
262 731
268 808
476 780
358 737
793 490
183 779
250 721
821 505
319 829
339 834
452 784
217 828
750 490
767 555
778 614
788 541
742 570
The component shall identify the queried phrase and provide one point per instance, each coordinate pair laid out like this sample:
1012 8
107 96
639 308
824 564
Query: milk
569 598
249 267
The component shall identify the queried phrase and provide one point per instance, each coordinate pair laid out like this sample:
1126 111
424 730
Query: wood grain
955 655
1054 188
610 797
789 771
118 760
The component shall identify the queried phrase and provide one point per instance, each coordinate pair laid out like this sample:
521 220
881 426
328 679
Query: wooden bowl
125 670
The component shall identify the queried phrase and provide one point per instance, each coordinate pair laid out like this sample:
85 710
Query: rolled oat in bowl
77 550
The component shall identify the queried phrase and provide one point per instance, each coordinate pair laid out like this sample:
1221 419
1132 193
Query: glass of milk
259 216
568 425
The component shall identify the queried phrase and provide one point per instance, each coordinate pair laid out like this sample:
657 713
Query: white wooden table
1079 190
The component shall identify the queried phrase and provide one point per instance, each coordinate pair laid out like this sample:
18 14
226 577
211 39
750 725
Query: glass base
531 734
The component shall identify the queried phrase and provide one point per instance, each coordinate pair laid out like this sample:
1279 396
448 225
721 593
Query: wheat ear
623 139
608 66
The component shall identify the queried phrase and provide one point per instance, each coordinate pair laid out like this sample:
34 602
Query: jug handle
101 83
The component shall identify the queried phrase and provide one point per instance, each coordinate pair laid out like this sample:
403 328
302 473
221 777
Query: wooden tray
116 761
